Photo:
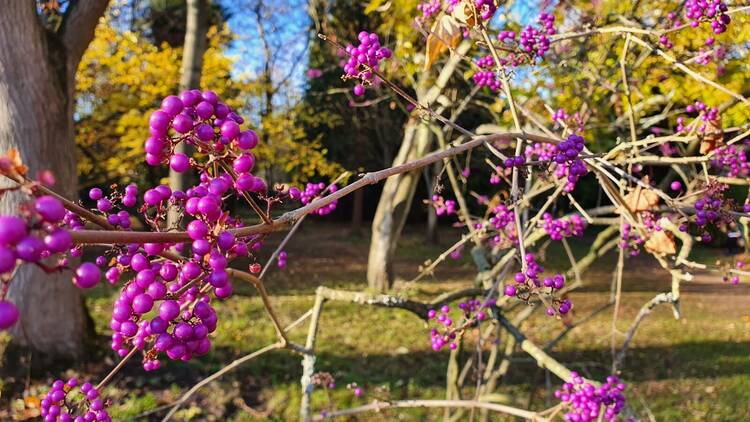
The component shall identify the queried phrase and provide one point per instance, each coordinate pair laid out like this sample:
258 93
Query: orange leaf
640 199
465 13
444 35
11 163
661 243
713 136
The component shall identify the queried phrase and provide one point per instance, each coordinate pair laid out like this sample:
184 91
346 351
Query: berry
87 275
179 163
8 314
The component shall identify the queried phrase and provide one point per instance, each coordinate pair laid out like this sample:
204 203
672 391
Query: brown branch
289 218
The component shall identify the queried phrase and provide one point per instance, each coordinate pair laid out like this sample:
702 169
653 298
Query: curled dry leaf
444 35
661 243
640 199
11 164
713 136
465 13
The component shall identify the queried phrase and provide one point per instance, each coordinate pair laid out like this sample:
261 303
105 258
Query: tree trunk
190 78
37 70
394 206
398 191
357 211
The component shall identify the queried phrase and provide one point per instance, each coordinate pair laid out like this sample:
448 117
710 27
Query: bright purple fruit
179 163
12 229
8 314
87 275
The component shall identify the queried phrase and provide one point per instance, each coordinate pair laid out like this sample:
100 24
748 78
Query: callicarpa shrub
169 278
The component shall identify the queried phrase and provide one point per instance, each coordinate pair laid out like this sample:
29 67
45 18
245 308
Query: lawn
694 368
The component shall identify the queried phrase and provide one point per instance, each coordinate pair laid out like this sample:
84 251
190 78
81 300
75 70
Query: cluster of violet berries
630 240
532 42
487 76
472 310
707 115
281 260
564 155
529 281
39 235
535 40
502 221
731 158
486 8
429 8
560 228
713 11
313 191
166 307
67 402
363 60
709 210
586 401
443 206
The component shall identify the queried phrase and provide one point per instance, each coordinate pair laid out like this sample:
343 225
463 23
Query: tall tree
38 63
192 64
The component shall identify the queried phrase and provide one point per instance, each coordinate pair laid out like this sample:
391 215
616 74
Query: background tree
38 61
190 75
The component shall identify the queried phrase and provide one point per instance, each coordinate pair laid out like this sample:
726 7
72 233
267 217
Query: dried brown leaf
713 136
661 243
464 12
444 35
640 199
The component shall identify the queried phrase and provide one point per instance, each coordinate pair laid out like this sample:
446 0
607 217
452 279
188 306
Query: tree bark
190 78
37 71
398 191
357 211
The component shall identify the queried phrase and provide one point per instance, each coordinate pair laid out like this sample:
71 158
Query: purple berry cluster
564 156
585 402
528 282
67 402
313 191
711 210
486 8
732 159
535 40
429 8
713 11
487 76
560 116
200 119
560 228
502 221
443 206
39 235
630 240
281 261
166 307
364 59
472 311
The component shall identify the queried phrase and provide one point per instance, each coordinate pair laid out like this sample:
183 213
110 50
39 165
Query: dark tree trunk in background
190 78
37 81
357 210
